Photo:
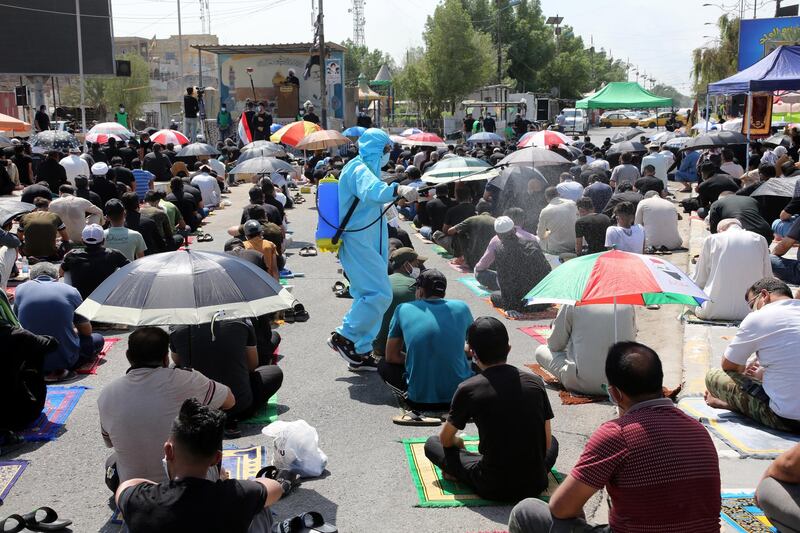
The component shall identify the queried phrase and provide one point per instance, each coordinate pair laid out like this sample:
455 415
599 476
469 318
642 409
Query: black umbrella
783 187
626 146
267 150
627 135
186 287
11 208
778 140
54 140
715 139
197 149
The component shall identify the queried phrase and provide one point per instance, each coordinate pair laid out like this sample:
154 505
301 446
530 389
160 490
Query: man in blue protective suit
364 254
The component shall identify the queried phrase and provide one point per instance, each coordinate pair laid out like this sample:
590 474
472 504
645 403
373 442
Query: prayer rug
441 251
244 463
266 414
464 269
423 239
91 367
476 288
567 397
548 314
539 333
10 472
739 432
741 513
434 491
60 402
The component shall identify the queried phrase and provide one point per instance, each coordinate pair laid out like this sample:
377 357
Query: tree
714 63
668 91
413 83
458 58
361 60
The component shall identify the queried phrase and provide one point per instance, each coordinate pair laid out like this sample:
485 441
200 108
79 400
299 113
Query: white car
576 121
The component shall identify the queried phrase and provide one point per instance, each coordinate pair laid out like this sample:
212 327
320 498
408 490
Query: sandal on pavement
15 519
412 418
48 522
307 251
205 237
300 313
310 522
65 375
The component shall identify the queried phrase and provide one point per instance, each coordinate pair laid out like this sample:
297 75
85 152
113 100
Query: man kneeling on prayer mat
512 412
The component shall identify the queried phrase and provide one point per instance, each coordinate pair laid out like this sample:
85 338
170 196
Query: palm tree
714 63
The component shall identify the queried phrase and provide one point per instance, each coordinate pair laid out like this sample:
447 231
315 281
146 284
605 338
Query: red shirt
660 468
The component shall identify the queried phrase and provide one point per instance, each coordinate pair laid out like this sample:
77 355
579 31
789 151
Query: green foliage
668 91
361 60
713 63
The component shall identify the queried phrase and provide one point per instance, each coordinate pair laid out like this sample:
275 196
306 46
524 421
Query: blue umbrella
354 131
274 128
485 137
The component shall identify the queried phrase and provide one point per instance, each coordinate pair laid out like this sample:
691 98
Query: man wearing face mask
261 123
224 122
121 117
405 265
364 253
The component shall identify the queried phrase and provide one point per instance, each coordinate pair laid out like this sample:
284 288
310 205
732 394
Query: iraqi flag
245 135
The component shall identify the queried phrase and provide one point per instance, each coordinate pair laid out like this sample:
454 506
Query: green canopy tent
623 95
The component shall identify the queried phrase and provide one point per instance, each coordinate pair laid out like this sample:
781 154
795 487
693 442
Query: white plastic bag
295 446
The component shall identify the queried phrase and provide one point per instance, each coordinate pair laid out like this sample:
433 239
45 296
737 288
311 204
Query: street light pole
80 64
323 88
499 44
180 42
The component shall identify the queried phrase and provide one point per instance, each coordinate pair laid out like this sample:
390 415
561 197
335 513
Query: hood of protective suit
370 148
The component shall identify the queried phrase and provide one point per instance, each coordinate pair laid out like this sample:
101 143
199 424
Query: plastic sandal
300 313
412 418
5 526
310 522
49 522
307 251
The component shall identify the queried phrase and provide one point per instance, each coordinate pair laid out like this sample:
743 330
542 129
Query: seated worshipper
136 409
425 375
82 191
208 185
625 172
158 164
742 208
406 266
454 216
145 225
649 182
777 493
38 231
568 188
729 166
51 172
712 184
185 202
484 273
687 170
759 370
122 175
9 244
46 307
590 228
512 412
624 193
166 230
188 501
255 241
644 460
105 188
788 213
659 218
37 190
271 213
86 268
74 165
784 268
625 236
473 236
435 211
519 265
118 237
556 229
599 191
578 338
199 347
144 179
75 212
533 202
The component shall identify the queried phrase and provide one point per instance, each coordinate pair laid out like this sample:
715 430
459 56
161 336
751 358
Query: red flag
245 134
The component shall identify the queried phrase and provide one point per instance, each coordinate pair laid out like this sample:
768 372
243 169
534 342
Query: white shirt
556 229
570 190
729 263
73 211
669 156
773 334
625 239
209 188
732 169
420 158
600 164
660 221
659 162
75 166
136 413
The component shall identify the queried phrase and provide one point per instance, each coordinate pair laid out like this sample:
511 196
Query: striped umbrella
293 133
102 138
110 127
425 139
185 287
542 139
164 137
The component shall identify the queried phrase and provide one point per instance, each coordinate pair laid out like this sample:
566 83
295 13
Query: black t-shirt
496 157
31 192
158 165
231 337
23 161
458 213
489 125
468 122
312 117
742 208
123 175
619 197
251 256
592 228
273 215
190 106
53 173
92 196
436 210
104 188
186 205
42 120
520 265
192 505
127 154
149 230
510 408
88 268
271 200
261 124
649 183
708 191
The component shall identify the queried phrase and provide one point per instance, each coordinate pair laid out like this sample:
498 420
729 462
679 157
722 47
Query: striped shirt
660 469
143 180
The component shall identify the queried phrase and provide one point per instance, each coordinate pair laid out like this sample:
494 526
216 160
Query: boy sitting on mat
426 375
512 412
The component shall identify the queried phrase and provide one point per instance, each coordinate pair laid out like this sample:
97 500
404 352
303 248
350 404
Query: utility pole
499 45
180 42
323 88
80 64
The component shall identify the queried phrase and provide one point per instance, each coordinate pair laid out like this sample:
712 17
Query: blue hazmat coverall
365 254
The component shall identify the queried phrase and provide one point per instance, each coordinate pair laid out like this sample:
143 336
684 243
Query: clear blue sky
657 36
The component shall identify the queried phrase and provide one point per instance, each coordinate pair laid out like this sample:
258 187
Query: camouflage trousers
747 397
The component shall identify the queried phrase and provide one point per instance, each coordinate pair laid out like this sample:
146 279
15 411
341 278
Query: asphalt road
367 486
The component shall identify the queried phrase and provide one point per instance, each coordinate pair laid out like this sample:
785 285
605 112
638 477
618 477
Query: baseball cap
99 169
93 234
405 254
433 281
487 334
252 228
503 225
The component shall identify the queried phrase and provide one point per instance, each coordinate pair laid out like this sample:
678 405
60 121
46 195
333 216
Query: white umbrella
262 165
732 125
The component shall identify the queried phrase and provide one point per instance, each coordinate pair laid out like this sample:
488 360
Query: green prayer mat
441 251
266 414
434 491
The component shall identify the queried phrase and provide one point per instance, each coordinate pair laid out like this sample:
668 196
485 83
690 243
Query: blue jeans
190 128
781 227
91 345
784 269
426 231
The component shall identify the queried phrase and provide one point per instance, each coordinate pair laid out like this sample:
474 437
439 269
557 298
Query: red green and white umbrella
164 137
542 139
616 277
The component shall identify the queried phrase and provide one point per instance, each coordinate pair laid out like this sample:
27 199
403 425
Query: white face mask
415 272
385 159
166 468
121 109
